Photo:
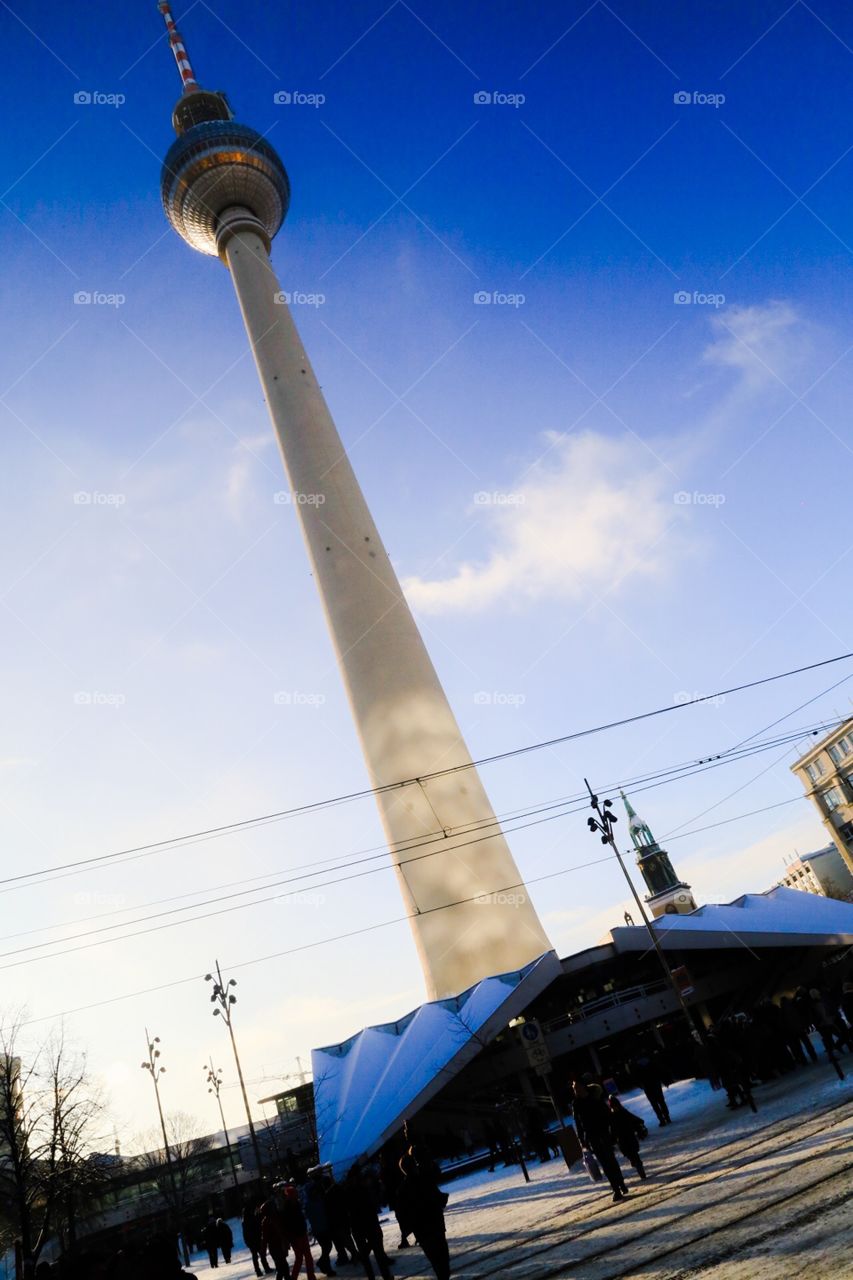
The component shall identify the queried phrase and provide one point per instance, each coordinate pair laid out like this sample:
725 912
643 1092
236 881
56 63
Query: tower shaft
405 723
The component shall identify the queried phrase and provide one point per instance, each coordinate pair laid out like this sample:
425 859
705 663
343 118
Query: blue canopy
367 1086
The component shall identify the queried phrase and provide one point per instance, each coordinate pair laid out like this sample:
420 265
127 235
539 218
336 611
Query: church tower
667 894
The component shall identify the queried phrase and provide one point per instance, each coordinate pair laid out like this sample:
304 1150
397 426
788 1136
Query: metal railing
611 1001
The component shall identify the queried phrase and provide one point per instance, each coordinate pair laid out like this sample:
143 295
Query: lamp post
224 999
155 1069
603 824
214 1085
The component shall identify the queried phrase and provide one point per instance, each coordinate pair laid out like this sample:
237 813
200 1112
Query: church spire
667 893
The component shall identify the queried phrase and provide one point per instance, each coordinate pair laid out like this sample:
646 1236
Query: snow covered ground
730 1196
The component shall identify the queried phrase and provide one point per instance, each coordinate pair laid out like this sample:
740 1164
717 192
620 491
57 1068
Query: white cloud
764 344
592 512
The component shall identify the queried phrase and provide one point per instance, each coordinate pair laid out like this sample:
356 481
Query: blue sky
148 630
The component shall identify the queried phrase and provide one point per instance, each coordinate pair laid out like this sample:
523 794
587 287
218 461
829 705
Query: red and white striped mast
182 58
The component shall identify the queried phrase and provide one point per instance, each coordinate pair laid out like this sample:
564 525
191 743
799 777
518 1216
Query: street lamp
224 998
214 1082
155 1069
603 824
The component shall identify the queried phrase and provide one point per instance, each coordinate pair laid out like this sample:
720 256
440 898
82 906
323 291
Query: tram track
674 1180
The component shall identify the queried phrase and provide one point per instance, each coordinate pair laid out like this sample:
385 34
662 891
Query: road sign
533 1039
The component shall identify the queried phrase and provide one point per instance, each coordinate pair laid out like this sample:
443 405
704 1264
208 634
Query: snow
730 1196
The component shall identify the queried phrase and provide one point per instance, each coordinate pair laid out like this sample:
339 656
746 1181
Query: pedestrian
628 1129
647 1074
339 1226
251 1224
211 1242
317 1212
224 1238
774 1055
595 1131
826 1024
392 1180
796 1031
424 1205
274 1237
364 1224
296 1229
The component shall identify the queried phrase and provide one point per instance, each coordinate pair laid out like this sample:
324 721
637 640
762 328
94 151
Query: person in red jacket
297 1233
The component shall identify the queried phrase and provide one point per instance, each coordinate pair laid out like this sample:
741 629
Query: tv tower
226 192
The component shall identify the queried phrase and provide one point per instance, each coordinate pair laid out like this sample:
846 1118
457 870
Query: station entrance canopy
367 1086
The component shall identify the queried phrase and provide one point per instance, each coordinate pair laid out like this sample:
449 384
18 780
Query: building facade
826 773
823 872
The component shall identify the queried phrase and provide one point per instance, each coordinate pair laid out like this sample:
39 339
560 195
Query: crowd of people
742 1050
343 1219
748 1048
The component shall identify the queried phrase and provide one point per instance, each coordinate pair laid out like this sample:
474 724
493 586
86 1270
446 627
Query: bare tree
47 1113
72 1175
178 1175
21 1113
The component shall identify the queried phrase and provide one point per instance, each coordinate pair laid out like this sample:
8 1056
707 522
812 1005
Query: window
832 798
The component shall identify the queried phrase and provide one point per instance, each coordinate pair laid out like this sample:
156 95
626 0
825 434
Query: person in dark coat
224 1238
274 1237
627 1129
795 1029
251 1224
317 1211
339 1227
211 1242
296 1229
424 1203
830 1028
648 1076
595 1131
392 1180
364 1224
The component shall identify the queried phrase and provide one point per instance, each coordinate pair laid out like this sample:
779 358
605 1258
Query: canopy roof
779 918
365 1087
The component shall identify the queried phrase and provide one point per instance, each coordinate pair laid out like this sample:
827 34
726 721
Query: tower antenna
182 58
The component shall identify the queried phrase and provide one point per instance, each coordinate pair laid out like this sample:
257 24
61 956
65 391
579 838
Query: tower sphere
217 165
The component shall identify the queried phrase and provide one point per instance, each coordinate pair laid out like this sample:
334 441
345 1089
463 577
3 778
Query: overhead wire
143 850
564 809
